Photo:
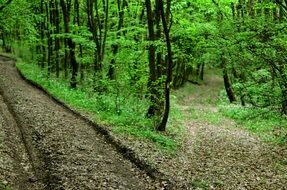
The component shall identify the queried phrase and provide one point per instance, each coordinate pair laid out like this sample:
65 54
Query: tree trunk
115 47
78 22
49 33
153 109
227 84
57 40
71 45
163 123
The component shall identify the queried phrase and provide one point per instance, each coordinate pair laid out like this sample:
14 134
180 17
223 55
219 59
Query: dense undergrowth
121 112
271 126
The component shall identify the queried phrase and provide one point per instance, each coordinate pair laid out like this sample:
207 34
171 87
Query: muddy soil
45 146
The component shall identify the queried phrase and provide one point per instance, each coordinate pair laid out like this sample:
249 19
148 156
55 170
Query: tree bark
71 45
163 123
152 64
227 84
57 40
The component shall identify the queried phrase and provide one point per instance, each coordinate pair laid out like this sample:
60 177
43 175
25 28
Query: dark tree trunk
106 9
43 28
227 83
95 28
49 33
153 109
57 40
78 22
163 123
66 7
66 58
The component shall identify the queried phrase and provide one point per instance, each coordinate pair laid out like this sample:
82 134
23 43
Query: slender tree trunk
94 26
42 29
227 84
152 64
106 8
98 34
66 7
49 33
78 22
163 123
66 59
57 40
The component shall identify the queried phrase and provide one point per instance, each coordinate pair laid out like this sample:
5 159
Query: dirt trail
53 149
15 166
221 156
218 155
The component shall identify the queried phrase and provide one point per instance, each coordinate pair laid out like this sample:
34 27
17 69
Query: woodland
129 55
140 50
128 62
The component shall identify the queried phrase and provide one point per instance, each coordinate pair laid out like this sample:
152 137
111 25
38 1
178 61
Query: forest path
218 155
64 151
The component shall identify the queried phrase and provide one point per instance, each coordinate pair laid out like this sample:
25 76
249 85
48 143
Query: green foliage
200 184
122 112
164 142
271 126
251 47
4 187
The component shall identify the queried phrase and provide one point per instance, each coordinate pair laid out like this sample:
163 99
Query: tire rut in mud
17 169
66 151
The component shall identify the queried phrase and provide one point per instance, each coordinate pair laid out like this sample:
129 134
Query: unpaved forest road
44 146
222 156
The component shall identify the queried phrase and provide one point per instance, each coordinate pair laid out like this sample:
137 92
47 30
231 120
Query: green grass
184 92
160 140
200 184
269 125
4 187
206 115
121 113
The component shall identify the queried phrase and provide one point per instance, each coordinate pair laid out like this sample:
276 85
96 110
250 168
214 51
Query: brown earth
215 152
219 155
44 146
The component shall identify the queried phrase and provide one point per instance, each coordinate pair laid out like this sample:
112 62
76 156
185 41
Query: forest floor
44 146
218 154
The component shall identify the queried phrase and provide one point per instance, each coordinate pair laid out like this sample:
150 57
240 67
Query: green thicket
129 53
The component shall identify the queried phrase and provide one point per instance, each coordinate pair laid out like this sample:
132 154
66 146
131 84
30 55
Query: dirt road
44 146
